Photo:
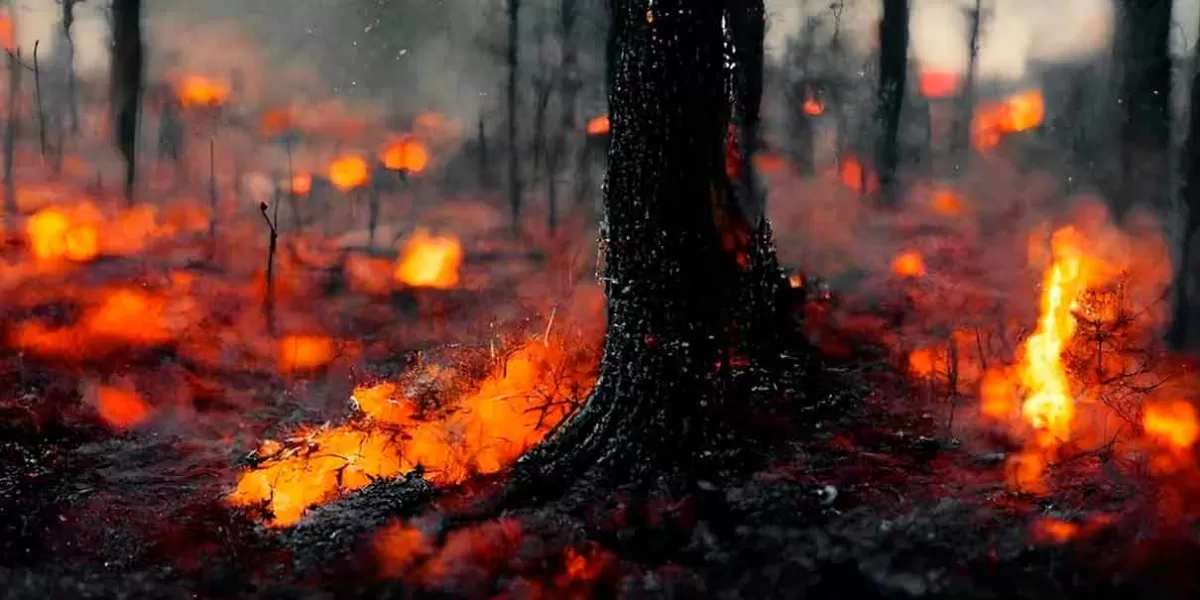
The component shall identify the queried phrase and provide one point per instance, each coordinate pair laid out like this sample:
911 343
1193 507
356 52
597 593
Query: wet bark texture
126 85
893 75
1146 96
675 284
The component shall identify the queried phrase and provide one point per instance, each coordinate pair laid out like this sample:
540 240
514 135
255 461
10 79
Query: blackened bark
1187 282
10 136
126 86
673 284
514 164
1146 97
965 107
68 49
893 73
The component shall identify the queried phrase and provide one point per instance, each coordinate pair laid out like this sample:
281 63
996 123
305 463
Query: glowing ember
199 91
53 236
398 547
946 203
598 126
430 261
304 352
1020 112
301 184
1174 423
853 175
8 37
1056 531
909 264
348 172
408 154
120 408
813 106
938 84
491 427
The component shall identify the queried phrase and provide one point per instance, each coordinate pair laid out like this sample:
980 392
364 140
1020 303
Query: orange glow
813 106
304 352
430 261
276 121
105 321
1056 531
852 175
53 236
998 397
8 36
491 427
408 154
398 547
923 362
938 84
200 91
1020 112
301 184
598 125
121 408
909 264
769 162
1173 423
946 203
348 172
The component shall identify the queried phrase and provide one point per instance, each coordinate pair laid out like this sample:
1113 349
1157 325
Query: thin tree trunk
126 89
1187 278
568 127
965 106
37 94
1146 98
514 165
68 20
893 73
673 285
10 136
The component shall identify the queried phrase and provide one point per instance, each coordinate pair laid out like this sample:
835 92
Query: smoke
1015 33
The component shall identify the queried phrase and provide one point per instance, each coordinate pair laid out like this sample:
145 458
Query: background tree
514 161
126 74
965 104
893 73
1145 94
1187 280
680 255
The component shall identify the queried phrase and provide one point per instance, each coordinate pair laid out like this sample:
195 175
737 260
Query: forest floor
870 498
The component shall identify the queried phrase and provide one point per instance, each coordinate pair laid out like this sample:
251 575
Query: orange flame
1057 531
8 36
598 125
1020 112
852 175
946 203
348 172
53 236
491 427
1174 423
909 264
304 352
430 261
407 154
121 408
813 106
200 91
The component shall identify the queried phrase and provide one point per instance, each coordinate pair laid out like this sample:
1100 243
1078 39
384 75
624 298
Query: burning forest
573 299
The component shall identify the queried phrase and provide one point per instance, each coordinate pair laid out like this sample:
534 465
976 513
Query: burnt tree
1187 278
569 92
690 278
1145 95
514 164
66 50
893 75
964 111
126 84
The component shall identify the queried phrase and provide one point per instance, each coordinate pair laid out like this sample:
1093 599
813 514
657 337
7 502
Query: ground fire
641 298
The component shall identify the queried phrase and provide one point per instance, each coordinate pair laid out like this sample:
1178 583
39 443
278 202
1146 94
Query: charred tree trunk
893 73
673 279
126 86
10 136
965 108
1146 97
68 58
514 164
569 89
1187 278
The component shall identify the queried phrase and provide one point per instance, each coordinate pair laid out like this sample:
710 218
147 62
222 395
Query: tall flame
1020 112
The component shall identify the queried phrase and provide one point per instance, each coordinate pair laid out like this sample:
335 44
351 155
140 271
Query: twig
269 299
549 324
212 191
